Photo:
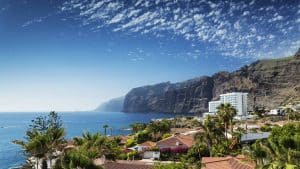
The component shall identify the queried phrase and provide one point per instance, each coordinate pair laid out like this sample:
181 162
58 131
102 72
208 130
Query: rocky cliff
113 105
270 83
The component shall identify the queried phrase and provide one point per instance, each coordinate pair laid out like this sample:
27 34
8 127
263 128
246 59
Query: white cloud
237 25
240 31
116 18
245 13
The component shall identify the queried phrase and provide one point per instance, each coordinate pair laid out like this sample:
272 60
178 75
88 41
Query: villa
176 143
239 162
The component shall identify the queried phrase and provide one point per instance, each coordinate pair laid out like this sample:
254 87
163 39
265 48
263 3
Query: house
143 147
149 144
146 150
239 162
177 143
275 112
151 155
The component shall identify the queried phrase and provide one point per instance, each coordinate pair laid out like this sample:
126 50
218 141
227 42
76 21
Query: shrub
167 135
133 155
122 156
130 142
142 136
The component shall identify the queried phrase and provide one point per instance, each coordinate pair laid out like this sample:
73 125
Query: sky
72 55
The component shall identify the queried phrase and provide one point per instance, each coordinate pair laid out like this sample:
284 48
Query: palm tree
226 113
289 111
81 158
111 131
44 137
281 149
105 128
56 139
37 147
136 127
212 135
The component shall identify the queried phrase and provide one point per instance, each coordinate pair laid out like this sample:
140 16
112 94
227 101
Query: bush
133 155
122 156
266 128
142 136
130 142
167 135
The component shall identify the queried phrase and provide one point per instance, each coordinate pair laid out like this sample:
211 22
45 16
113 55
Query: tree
105 128
81 158
289 111
159 128
136 127
105 146
195 154
226 113
259 111
212 136
142 136
281 149
43 137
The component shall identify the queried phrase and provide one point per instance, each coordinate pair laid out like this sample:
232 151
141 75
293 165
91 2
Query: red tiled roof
173 141
226 163
148 144
116 165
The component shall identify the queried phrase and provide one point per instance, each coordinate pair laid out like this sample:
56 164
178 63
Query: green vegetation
45 141
88 148
226 113
43 137
130 142
280 150
158 128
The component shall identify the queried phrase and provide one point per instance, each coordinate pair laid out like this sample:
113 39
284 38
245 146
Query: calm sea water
14 125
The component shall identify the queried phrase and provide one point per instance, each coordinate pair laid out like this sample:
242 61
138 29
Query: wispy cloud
35 20
237 29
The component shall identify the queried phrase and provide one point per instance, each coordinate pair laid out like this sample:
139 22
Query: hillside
270 83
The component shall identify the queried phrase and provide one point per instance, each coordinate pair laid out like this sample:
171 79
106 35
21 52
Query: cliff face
113 105
270 83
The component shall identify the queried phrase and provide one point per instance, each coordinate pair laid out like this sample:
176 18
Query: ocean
14 125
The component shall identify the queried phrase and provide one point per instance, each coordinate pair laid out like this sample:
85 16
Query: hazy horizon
74 55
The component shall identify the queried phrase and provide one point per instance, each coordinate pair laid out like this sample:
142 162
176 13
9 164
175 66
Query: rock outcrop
270 83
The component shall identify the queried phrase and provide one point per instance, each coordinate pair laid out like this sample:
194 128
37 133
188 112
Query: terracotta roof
226 163
148 144
185 140
128 165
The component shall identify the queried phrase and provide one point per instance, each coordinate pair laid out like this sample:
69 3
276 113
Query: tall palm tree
105 128
226 113
212 135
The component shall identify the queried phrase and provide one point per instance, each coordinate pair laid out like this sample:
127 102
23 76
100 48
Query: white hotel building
238 100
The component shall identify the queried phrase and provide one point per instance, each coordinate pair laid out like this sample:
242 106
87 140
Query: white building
212 106
238 100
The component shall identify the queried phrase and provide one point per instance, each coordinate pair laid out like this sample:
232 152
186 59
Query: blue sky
72 55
